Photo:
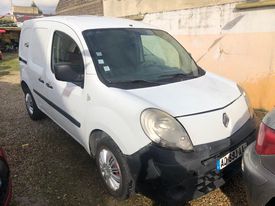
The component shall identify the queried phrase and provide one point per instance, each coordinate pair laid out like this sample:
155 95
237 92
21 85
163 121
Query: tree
34 5
5 22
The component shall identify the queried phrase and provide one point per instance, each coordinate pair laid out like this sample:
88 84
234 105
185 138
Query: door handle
41 80
48 85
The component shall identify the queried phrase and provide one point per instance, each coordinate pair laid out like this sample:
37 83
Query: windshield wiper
136 81
177 75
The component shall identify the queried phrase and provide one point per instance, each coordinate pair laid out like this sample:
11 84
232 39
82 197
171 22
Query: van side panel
37 61
24 43
24 53
39 47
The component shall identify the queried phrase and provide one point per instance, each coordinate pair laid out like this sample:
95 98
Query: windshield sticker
106 68
99 54
100 61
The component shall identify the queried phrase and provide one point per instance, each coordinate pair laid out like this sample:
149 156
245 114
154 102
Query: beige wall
247 58
122 8
239 45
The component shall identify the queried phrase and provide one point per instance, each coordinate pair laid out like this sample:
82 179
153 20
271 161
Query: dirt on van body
49 168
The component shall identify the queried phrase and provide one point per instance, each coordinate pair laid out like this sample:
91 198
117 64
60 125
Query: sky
47 6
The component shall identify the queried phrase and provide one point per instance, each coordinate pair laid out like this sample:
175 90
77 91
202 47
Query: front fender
128 135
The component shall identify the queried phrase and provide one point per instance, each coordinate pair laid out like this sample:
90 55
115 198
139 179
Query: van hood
202 94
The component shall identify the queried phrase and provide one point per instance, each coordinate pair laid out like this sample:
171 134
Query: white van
135 99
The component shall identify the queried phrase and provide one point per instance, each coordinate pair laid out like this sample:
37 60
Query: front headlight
165 130
247 100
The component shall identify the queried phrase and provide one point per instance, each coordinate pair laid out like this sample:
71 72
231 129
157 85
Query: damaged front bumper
173 176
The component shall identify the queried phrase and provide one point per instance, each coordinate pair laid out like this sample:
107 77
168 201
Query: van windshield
135 58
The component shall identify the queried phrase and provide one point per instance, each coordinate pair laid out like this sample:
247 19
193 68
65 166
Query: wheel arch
24 86
95 136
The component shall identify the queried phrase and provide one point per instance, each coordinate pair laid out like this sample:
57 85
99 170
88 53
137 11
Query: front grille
209 181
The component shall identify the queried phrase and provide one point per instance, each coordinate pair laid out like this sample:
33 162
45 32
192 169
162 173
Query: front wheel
113 169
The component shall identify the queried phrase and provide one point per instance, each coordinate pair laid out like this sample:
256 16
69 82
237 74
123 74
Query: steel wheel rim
110 169
29 103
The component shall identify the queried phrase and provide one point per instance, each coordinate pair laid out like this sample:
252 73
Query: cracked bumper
176 176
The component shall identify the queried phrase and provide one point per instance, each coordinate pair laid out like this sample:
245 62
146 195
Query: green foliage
7 23
33 4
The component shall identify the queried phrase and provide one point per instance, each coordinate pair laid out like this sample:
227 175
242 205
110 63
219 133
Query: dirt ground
50 168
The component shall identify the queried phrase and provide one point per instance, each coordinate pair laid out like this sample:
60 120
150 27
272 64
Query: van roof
91 22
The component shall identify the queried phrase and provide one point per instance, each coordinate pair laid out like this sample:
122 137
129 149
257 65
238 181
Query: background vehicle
258 164
134 98
5 181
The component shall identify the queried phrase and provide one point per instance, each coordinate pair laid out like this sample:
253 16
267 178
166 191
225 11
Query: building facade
80 7
23 13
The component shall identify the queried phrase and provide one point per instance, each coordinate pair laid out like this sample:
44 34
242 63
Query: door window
65 50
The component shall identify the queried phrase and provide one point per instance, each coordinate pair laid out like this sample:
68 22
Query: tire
32 109
115 167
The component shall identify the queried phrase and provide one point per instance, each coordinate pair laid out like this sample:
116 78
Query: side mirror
68 72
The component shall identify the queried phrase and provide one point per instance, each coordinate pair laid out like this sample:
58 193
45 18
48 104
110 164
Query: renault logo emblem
225 119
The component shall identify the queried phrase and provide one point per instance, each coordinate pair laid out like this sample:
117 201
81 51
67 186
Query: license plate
230 157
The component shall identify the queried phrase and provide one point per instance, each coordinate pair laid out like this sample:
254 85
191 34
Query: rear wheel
113 169
32 109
